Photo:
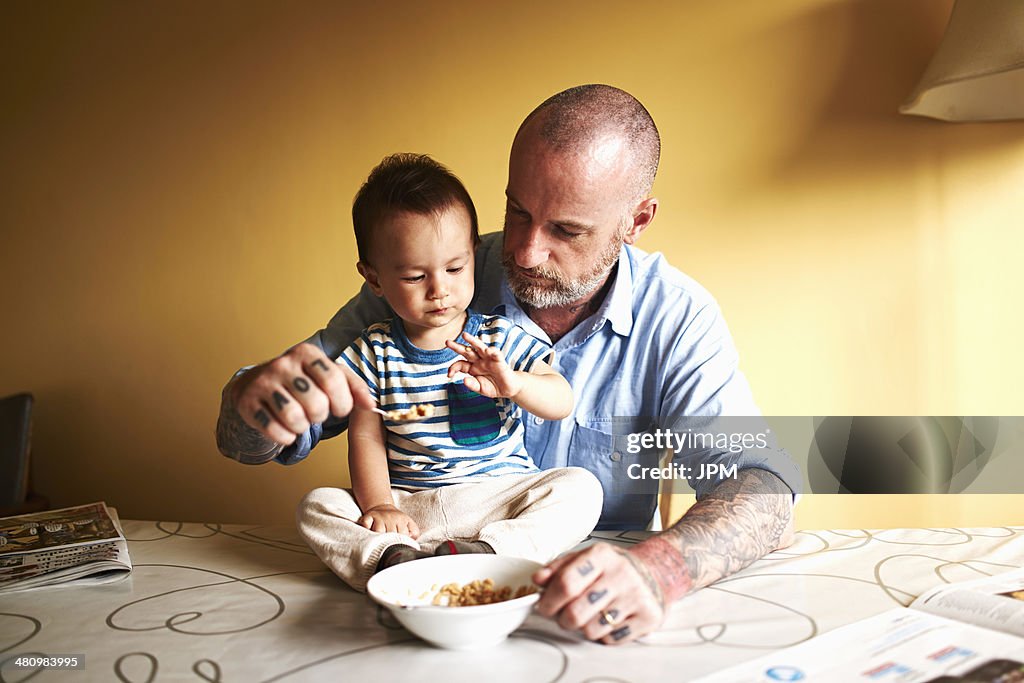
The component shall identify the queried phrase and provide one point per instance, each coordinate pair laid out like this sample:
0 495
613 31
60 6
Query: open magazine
80 545
970 632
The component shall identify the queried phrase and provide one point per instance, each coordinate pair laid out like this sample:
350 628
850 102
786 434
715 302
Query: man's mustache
537 271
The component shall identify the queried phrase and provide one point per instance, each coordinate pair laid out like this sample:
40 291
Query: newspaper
970 632
80 545
995 602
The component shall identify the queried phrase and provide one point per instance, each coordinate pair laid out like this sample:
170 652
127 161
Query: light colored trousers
536 516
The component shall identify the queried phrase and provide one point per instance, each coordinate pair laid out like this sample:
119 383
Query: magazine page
55 529
995 602
899 645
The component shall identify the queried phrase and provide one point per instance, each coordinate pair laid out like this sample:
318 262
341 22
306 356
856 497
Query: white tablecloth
244 603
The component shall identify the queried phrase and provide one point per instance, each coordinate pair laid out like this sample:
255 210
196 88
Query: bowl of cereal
458 602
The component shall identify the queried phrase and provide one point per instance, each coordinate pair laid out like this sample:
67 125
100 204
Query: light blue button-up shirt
655 351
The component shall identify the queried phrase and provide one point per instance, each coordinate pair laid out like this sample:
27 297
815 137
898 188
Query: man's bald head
575 119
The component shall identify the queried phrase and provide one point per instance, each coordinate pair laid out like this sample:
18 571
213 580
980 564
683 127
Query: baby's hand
489 374
389 518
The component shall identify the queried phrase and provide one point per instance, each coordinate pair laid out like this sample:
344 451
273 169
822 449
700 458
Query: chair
15 442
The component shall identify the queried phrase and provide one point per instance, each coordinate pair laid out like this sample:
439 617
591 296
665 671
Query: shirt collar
618 306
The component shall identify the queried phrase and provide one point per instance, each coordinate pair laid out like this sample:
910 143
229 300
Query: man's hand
382 518
282 397
738 522
489 373
603 591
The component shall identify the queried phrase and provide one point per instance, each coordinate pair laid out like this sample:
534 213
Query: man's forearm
239 441
740 521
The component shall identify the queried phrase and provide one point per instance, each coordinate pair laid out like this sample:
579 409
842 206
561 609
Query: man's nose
532 249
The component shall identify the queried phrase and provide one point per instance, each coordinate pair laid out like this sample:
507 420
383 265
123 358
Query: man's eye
415 278
567 234
456 270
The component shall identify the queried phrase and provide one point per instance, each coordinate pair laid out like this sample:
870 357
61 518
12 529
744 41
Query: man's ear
370 275
643 216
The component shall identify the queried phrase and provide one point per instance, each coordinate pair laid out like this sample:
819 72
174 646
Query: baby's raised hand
389 518
489 374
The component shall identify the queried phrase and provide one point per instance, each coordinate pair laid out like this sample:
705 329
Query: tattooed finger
262 417
620 633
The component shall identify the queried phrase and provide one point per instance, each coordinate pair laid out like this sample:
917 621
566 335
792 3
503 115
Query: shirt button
538 420
616 456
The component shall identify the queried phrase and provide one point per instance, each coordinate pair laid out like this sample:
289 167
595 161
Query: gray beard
559 290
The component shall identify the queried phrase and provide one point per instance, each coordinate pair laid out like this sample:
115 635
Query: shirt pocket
602 446
473 418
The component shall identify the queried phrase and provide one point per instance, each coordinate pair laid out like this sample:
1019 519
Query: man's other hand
602 591
283 397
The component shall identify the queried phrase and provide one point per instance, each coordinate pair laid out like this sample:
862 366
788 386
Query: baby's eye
413 278
456 270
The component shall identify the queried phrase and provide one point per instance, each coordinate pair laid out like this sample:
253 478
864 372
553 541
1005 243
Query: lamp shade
977 74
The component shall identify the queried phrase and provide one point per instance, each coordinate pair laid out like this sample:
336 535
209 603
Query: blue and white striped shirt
428 453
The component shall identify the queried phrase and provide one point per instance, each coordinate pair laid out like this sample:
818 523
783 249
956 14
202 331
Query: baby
459 480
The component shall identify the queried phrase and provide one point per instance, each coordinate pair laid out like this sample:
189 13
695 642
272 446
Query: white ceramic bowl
407 590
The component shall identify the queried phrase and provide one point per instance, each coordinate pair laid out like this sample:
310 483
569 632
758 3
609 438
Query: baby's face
424 267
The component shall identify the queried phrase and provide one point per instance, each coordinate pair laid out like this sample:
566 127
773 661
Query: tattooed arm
741 520
236 439
615 596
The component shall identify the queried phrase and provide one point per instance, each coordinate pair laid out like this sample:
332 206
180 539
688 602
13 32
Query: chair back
15 442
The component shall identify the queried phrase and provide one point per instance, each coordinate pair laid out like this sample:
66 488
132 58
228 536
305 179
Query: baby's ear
370 275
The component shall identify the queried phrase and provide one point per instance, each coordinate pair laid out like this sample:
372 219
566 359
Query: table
211 602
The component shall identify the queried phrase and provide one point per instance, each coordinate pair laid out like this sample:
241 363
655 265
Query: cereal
420 411
478 593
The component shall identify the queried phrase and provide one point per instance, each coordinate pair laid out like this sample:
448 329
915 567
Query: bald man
634 337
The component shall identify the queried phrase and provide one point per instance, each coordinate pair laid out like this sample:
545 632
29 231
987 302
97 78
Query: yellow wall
177 176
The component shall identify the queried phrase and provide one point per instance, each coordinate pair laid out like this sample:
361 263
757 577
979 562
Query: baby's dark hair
406 182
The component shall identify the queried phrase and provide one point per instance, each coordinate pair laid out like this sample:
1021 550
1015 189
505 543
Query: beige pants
536 516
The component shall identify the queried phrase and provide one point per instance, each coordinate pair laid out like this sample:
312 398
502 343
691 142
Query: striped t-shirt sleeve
361 358
522 350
